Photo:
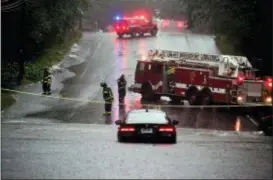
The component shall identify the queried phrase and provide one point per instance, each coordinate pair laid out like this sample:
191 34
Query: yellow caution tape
147 105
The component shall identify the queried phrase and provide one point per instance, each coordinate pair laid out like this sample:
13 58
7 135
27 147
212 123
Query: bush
51 56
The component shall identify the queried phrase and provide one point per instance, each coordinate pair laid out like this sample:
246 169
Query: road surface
106 58
45 137
32 150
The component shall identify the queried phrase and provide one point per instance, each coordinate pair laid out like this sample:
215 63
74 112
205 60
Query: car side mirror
175 122
118 122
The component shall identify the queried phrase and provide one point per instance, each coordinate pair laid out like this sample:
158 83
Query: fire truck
137 25
202 79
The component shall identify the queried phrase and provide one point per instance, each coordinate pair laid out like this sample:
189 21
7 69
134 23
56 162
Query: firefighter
121 88
108 98
46 82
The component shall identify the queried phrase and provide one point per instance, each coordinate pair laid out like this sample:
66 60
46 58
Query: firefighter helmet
103 84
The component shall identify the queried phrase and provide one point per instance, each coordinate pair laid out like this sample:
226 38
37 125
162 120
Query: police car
134 26
147 124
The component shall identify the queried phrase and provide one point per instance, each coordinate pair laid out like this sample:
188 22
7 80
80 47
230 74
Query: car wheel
120 139
173 140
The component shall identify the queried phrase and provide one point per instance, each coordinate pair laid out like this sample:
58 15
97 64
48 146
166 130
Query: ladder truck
202 79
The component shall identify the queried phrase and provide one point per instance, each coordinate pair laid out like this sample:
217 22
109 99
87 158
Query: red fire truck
134 26
199 78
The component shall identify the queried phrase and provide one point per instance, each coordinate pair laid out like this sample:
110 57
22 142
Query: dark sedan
147 124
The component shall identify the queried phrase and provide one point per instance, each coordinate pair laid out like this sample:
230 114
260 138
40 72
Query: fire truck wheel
141 34
205 97
192 95
133 34
120 35
154 32
147 92
156 97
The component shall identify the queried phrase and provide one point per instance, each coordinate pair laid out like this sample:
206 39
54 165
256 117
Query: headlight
240 99
268 100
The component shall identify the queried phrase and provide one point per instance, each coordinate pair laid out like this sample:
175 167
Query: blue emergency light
117 18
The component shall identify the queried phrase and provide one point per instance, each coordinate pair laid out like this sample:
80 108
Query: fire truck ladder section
227 66
222 62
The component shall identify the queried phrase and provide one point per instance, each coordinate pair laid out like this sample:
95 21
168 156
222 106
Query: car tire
173 140
120 139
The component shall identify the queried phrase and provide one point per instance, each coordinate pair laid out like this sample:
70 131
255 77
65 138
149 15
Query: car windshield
144 117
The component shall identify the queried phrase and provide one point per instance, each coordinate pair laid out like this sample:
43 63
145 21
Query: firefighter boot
49 89
44 89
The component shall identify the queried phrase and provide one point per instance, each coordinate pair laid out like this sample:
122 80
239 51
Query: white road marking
86 68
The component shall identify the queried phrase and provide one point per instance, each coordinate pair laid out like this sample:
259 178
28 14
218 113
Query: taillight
117 27
166 129
127 129
123 27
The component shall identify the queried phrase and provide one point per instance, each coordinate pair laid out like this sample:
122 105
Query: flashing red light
166 129
241 78
127 129
179 24
268 82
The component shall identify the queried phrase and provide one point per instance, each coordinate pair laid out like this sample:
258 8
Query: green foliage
48 28
6 100
246 25
34 71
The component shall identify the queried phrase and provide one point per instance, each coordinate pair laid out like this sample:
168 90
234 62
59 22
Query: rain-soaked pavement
64 136
106 59
87 151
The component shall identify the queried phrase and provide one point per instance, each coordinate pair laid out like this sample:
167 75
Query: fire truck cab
199 78
138 25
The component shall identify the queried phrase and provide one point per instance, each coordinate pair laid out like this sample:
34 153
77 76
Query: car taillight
127 129
167 129
117 27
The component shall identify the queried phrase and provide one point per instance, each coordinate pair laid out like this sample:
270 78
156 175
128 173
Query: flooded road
108 57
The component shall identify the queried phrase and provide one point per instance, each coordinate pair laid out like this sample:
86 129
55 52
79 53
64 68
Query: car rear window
144 117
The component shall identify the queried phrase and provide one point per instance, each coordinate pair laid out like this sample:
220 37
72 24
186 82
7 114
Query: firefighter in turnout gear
108 98
46 82
121 88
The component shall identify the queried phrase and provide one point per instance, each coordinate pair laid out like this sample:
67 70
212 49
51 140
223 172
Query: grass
227 45
33 71
51 56
6 99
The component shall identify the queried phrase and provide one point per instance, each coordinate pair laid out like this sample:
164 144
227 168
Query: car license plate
146 131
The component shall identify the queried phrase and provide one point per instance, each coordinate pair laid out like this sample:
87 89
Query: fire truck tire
205 97
154 32
147 92
141 34
120 35
133 34
192 95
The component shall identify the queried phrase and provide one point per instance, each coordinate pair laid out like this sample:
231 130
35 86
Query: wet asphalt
45 137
